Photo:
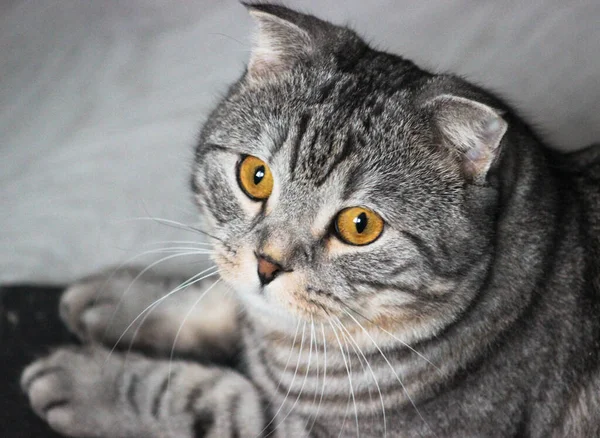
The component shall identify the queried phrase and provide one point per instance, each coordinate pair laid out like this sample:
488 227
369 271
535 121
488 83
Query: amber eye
255 178
358 225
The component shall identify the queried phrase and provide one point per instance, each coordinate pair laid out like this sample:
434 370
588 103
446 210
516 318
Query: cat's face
330 194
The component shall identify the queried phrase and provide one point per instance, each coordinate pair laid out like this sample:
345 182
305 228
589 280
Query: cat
407 260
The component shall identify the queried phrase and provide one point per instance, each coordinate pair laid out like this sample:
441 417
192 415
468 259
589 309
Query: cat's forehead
324 123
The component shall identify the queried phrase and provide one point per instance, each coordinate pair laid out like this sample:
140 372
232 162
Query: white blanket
101 102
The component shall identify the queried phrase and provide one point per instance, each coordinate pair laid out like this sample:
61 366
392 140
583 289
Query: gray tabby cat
408 260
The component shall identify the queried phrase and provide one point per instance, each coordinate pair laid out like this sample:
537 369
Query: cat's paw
150 312
108 307
73 390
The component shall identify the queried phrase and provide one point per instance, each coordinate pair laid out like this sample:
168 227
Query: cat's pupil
259 174
360 222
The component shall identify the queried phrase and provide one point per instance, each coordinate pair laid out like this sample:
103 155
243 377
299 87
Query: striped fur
475 313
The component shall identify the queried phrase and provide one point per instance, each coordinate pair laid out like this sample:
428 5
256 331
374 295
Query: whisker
349 381
394 371
314 337
173 224
351 384
324 376
189 282
303 382
101 289
178 242
291 384
396 338
337 321
372 374
155 303
146 269
187 315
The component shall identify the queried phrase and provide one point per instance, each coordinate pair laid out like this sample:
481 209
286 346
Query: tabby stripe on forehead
355 180
302 125
347 149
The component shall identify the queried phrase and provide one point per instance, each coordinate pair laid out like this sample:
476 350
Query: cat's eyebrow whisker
187 315
393 370
372 374
289 388
349 381
395 338
157 302
324 377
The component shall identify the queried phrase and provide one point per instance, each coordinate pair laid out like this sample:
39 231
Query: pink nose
267 269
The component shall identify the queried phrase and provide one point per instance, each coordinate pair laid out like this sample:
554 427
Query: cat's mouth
280 290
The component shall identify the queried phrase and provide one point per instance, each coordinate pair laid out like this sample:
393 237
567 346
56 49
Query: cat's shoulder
584 163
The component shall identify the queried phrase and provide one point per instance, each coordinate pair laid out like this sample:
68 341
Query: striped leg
86 392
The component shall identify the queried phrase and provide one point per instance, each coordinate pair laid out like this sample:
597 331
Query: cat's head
343 181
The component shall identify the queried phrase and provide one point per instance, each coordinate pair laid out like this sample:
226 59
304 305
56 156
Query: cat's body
467 306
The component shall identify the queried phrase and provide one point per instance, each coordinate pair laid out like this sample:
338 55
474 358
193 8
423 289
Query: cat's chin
262 310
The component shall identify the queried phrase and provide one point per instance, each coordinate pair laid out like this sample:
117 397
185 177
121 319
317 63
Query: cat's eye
255 178
358 225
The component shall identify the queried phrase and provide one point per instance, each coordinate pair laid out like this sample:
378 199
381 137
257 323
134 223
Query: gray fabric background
100 103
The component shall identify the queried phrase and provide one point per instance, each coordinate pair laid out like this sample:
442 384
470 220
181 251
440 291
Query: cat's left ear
470 128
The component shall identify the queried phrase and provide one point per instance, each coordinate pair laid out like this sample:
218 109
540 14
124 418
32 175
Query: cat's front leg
88 392
154 313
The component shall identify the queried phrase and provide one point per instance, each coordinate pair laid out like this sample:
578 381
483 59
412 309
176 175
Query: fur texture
475 313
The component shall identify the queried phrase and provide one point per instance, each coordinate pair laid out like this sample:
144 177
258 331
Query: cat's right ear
279 42
286 38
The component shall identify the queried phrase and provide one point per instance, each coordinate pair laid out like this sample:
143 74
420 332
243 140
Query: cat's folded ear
471 130
286 38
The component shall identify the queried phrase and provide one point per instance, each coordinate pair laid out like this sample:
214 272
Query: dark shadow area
29 328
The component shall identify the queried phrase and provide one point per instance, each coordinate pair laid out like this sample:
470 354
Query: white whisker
393 370
337 321
314 337
164 259
324 376
303 382
178 242
187 315
190 281
173 224
372 374
291 384
160 300
397 339
349 381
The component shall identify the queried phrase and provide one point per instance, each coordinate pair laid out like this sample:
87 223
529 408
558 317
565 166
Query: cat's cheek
239 271
292 294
